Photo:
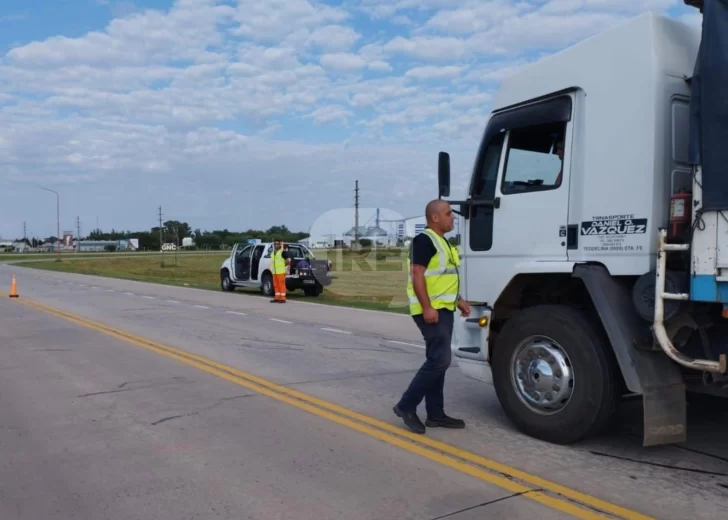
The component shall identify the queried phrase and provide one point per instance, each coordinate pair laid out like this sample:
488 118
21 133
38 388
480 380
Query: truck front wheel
226 283
554 374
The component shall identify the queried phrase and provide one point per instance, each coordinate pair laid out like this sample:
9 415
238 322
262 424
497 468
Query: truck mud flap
649 373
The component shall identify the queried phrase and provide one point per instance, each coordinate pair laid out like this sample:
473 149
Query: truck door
241 263
255 262
519 197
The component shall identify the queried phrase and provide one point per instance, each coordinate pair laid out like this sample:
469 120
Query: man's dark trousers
429 382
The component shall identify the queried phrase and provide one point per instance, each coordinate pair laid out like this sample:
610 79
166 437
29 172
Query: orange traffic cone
13 288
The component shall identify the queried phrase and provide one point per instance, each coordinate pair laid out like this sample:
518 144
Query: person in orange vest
278 269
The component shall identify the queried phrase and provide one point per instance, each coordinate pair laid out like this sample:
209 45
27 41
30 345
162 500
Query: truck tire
313 291
555 374
226 284
266 286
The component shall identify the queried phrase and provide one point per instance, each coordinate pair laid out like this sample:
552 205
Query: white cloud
151 37
342 62
185 103
433 72
270 20
479 17
330 114
429 48
333 37
618 6
379 66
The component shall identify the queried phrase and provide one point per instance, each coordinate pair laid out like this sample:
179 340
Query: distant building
21 247
414 226
96 246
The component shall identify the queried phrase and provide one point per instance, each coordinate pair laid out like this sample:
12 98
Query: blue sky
253 113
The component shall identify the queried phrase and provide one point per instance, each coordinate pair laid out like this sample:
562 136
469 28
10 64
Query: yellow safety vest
278 262
441 277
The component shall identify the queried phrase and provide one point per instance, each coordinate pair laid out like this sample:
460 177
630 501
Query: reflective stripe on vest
278 262
441 277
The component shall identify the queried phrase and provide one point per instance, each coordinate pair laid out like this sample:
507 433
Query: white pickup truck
249 266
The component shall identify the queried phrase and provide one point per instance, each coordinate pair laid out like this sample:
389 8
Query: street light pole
58 223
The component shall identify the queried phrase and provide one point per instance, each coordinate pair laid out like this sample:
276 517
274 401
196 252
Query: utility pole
25 233
176 245
78 234
356 215
58 223
161 243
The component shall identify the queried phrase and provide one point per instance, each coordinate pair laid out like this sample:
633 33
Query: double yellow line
540 490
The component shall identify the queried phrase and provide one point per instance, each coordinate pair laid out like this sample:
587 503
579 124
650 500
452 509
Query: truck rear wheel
313 291
554 374
266 286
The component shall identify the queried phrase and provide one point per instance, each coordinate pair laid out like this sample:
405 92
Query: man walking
278 269
433 290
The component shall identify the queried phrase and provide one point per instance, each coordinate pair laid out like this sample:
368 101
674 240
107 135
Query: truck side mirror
443 174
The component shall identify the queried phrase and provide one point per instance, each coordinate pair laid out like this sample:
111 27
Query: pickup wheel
313 291
555 375
266 286
226 284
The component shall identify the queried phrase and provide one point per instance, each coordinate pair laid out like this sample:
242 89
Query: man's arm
420 287
422 252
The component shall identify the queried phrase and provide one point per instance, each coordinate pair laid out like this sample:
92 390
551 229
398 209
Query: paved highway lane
362 360
96 428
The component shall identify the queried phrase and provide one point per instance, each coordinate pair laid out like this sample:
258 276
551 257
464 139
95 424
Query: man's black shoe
445 422
410 419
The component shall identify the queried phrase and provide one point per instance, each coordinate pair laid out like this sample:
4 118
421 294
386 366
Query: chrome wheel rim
542 375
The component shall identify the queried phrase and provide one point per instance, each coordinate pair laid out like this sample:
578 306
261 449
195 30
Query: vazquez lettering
626 226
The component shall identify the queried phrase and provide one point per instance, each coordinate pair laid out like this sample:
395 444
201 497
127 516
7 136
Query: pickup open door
241 262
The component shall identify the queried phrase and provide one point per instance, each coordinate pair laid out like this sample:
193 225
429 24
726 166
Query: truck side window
485 181
533 160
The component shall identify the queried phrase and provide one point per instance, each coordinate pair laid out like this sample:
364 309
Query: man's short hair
433 207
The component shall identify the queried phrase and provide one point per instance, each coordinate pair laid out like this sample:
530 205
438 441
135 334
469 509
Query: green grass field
372 280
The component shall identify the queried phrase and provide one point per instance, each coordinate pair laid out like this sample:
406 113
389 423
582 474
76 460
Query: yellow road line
570 501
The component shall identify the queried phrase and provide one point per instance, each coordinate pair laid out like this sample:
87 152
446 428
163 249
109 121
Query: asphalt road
97 427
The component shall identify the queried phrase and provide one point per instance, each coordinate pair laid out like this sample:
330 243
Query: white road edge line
149 297
200 307
405 343
172 301
110 290
236 313
336 330
279 321
129 293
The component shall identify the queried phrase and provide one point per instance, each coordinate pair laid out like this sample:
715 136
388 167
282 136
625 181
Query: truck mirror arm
465 205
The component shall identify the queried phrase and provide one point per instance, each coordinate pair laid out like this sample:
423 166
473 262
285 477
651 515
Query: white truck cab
249 265
582 184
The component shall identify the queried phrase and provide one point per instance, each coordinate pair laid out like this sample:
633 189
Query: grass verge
369 280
